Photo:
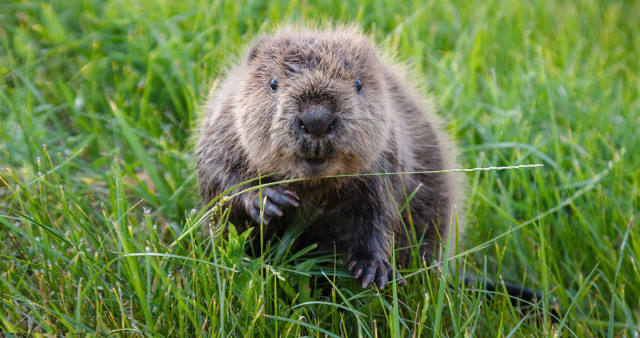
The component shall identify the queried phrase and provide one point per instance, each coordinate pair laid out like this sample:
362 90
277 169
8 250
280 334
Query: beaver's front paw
273 200
373 267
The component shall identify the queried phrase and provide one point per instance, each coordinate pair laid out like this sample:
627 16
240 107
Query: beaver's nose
317 122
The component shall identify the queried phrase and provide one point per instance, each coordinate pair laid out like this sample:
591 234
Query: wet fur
249 130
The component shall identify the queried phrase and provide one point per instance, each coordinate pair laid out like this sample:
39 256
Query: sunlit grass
103 230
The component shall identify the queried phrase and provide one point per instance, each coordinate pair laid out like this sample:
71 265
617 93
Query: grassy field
102 227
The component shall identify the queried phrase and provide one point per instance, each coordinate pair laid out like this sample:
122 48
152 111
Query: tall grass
103 231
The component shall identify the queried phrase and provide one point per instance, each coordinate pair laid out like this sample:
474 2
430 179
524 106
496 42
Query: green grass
103 231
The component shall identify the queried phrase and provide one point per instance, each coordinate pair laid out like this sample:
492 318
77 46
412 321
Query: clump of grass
103 232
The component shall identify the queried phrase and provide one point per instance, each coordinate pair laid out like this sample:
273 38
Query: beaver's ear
259 43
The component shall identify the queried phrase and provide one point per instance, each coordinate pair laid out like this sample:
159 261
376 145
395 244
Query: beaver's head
313 104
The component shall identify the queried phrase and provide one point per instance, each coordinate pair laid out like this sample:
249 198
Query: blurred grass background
101 222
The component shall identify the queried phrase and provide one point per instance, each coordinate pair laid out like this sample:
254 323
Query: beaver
332 113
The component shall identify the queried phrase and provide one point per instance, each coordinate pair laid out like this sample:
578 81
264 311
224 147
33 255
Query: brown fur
386 127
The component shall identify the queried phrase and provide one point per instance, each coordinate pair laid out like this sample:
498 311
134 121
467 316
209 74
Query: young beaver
309 104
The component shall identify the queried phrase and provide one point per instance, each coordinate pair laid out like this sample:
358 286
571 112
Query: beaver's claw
373 268
272 200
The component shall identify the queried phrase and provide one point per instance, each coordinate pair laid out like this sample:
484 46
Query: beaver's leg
371 217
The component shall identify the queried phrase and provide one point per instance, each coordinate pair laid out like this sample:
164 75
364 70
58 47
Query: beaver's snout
317 122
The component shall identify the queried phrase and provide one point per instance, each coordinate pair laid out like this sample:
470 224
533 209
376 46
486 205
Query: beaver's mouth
315 161
316 157
315 164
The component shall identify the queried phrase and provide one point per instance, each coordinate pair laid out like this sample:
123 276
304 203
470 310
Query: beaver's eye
274 84
358 85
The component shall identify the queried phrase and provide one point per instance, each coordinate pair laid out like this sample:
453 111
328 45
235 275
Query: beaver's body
308 104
